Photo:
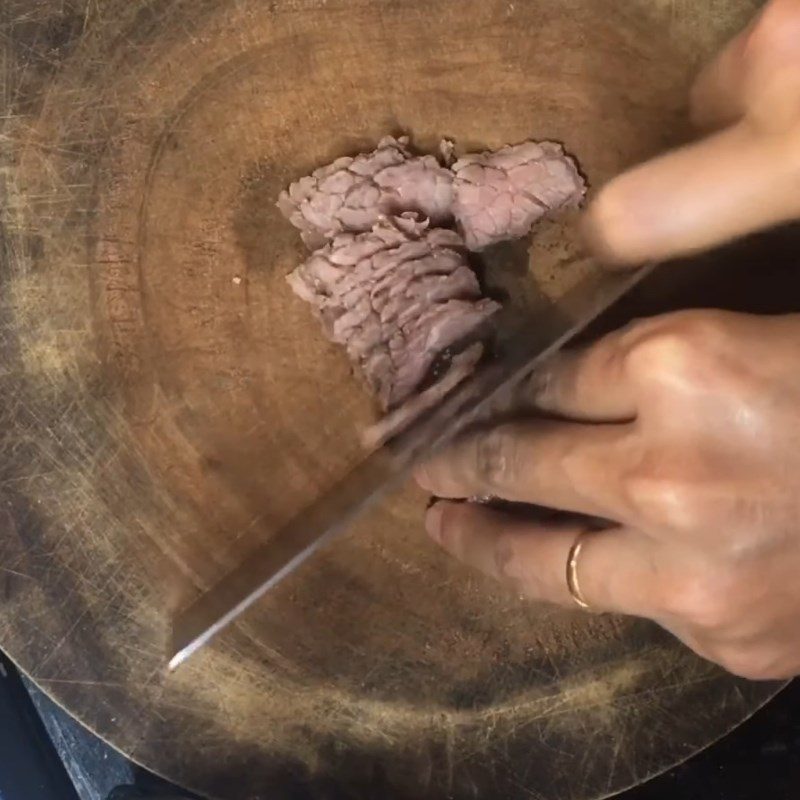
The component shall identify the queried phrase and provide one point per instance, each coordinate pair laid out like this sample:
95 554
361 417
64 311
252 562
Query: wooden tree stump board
167 402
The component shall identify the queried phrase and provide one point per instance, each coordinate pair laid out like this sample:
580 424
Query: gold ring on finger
573 583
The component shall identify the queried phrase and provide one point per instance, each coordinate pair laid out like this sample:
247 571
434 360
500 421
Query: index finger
588 384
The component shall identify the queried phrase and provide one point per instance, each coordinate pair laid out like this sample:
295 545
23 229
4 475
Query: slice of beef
351 194
397 368
500 195
461 367
393 288
396 297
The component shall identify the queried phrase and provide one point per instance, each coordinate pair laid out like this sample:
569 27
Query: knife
520 344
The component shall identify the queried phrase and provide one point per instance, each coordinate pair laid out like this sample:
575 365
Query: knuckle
495 457
506 558
511 567
515 569
664 500
680 344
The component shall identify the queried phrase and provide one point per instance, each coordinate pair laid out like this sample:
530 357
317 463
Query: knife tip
178 653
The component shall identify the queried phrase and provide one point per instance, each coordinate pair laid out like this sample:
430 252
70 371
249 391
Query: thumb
733 183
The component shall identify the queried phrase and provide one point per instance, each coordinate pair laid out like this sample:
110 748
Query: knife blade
521 346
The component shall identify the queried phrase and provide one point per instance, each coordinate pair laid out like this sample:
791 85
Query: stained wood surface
167 402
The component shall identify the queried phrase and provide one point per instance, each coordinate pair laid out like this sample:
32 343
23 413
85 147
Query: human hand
743 177
684 430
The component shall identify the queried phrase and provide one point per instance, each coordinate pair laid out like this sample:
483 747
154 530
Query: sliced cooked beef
396 290
500 195
395 370
396 297
461 367
351 194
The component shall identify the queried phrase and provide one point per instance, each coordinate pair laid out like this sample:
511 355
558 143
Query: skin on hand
683 430
742 178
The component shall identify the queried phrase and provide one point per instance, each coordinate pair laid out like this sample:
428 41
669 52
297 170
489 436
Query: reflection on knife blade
520 346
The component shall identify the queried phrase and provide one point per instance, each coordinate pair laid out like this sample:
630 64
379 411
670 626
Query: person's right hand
682 431
742 178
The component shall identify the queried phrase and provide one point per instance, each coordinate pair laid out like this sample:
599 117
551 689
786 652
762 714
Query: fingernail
422 478
433 522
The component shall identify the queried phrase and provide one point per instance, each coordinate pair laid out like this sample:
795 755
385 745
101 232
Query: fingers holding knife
585 385
585 461
617 567
673 430
572 467
577 462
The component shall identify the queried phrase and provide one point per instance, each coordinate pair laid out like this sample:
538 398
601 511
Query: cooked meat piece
396 368
396 297
461 367
393 288
500 195
351 194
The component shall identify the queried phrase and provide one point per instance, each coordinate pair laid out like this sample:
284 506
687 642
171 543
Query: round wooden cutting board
167 402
